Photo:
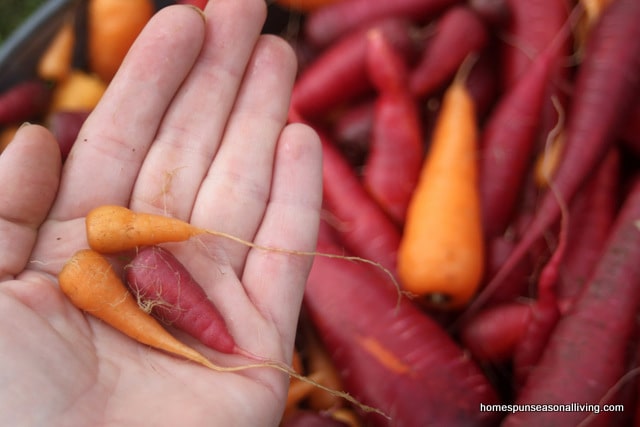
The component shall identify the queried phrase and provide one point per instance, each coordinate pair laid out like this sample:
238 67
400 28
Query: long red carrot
508 143
421 376
339 73
607 76
363 226
396 150
331 22
586 354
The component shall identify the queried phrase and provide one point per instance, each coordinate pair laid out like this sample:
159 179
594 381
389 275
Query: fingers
111 146
275 281
233 196
29 173
193 126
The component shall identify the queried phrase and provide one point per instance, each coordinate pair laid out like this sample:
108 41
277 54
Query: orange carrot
111 229
441 254
55 64
91 284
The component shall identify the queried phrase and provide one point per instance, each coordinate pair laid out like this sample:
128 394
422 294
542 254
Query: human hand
192 126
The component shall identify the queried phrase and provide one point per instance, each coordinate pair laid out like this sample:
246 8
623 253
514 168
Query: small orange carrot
91 284
111 229
441 253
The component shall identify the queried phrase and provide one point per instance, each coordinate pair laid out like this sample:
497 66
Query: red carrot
24 101
587 352
492 335
165 288
531 27
458 33
329 23
352 130
544 315
339 73
364 228
421 376
591 215
508 143
607 76
65 125
396 153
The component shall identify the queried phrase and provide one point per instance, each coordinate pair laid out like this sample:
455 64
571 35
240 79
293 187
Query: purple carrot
587 352
607 76
389 353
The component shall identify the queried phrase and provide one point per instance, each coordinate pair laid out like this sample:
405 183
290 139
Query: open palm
192 126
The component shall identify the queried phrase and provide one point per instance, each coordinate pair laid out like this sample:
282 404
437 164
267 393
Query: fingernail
200 12
24 124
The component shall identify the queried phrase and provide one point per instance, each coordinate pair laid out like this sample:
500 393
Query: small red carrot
168 291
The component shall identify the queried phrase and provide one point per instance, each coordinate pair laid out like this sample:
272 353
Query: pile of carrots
485 153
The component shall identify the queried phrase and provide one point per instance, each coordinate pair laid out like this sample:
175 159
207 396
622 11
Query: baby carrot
91 284
112 229
441 253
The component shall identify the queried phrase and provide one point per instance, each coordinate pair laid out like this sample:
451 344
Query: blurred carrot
304 5
113 25
441 253
80 91
55 63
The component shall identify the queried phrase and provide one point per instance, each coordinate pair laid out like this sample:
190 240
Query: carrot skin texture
459 33
492 335
157 278
329 23
111 229
92 285
508 143
591 215
24 101
587 351
422 376
339 73
363 226
396 151
607 76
